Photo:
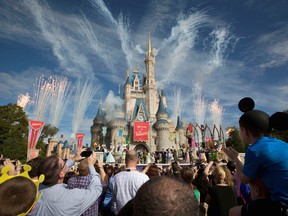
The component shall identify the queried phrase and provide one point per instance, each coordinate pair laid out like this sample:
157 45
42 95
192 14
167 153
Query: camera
86 153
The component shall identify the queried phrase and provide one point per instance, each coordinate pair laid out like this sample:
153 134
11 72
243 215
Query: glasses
64 164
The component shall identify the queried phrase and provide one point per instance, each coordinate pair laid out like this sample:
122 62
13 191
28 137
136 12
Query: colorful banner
79 138
35 129
141 130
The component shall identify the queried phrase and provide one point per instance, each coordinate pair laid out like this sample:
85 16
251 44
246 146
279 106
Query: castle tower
96 128
133 89
150 90
163 127
118 126
66 150
51 143
180 133
59 149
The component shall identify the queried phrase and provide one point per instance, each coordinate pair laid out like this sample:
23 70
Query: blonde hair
219 174
83 168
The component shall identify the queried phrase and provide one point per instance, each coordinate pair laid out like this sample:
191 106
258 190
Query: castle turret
52 142
180 133
163 127
60 149
151 99
98 122
66 149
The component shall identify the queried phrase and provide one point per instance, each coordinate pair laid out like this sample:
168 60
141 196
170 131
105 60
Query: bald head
131 158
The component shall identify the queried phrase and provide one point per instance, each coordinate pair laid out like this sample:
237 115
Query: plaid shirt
82 182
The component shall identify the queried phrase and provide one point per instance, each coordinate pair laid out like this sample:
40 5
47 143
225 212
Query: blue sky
232 49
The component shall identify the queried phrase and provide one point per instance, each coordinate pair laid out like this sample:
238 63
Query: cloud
15 83
273 48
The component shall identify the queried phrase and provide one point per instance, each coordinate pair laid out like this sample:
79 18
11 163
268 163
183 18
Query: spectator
82 181
56 199
34 163
126 183
106 203
152 170
165 196
261 203
202 184
266 157
187 174
221 197
18 194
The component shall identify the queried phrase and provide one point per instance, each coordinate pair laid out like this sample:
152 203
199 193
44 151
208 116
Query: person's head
131 158
175 167
257 123
109 170
187 174
229 178
153 171
219 174
83 167
165 196
17 196
54 169
34 163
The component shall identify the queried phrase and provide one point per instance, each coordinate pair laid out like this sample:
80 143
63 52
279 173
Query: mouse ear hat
259 120
279 121
256 119
246 104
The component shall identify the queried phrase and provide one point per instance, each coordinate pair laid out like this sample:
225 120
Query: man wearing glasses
56 199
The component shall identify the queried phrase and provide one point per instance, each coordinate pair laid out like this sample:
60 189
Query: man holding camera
56 199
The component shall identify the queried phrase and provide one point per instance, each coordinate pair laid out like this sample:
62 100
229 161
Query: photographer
56 199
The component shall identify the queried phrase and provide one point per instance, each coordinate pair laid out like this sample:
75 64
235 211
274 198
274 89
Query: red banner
35 129
141 130
79 137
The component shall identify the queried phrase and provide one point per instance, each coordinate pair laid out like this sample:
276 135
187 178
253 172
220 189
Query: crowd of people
86 186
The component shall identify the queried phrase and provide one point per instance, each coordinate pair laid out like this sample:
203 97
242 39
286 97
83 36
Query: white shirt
125 186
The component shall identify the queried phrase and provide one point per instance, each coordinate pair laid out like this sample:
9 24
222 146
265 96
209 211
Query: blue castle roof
179 123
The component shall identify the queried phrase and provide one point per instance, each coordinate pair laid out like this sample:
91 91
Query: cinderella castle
142 122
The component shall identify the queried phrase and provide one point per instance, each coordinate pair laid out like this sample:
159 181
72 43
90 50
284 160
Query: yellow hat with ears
5 177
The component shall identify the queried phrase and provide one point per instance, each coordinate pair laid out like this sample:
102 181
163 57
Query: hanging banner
141 130
35 129
120 133
79 138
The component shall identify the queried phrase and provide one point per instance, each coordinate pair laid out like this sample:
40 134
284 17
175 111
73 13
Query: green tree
13 132
234 140
48 131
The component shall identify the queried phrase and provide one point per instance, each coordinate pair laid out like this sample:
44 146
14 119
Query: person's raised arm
70 162
147 168
234 156
9 163
101 170
207 168
91 161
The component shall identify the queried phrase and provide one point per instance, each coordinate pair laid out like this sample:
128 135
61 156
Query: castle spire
127 73
179 123
149 48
